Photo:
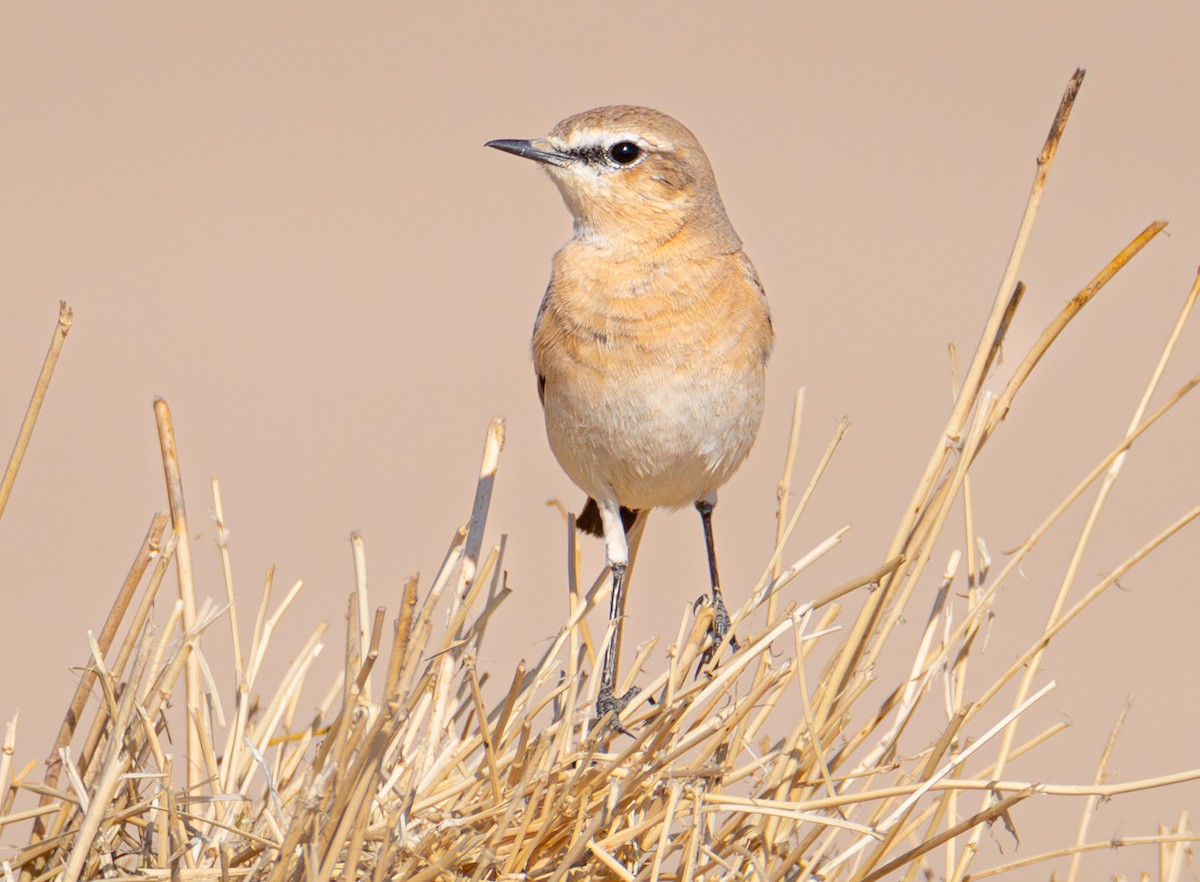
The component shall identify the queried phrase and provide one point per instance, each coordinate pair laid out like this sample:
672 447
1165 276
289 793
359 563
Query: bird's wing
589 520
750 274
541 377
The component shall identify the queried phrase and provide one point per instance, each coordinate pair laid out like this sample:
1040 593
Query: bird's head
632 177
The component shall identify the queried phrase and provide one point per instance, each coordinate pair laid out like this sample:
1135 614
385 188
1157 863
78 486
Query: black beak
527 150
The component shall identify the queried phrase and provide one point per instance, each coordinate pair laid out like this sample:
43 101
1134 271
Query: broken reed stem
1016 557
932 519
972 382
239 662
362 606
1093 516
1089 805
114 767
784 491
61 329
1179 838
986 422
116 614
1073 307
187 588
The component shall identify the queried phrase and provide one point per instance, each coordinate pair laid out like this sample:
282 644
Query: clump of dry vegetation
405 771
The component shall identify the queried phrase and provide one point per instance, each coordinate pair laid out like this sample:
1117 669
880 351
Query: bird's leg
608 704
720 622
617 552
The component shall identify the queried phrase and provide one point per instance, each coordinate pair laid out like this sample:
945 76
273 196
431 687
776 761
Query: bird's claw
716 631
610 706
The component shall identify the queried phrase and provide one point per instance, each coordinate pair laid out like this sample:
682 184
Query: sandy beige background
282 219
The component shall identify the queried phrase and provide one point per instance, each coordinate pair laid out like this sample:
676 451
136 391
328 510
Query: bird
651 343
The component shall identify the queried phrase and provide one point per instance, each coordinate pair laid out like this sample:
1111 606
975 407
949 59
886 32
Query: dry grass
406 772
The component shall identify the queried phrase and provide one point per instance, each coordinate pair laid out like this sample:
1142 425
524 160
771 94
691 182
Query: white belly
658 438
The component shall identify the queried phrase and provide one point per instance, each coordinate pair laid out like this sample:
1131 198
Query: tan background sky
281 219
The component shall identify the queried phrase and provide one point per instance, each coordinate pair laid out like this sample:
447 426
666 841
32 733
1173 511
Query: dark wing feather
589 520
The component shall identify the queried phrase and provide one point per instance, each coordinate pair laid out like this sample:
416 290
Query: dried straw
761 769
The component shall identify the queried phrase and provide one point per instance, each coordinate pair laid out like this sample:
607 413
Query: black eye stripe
589 154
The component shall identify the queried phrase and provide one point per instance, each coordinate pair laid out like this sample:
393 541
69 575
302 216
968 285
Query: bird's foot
716 630
610 706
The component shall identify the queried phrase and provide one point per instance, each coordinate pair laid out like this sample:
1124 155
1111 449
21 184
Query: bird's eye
624 152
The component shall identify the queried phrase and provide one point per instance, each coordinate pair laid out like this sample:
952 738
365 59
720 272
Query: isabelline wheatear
652 340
